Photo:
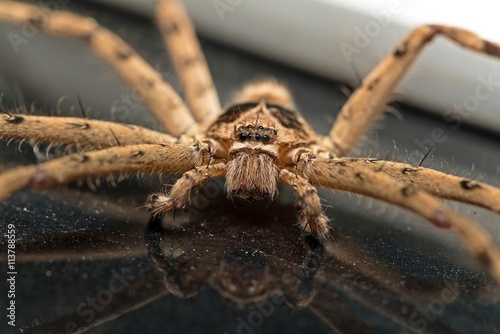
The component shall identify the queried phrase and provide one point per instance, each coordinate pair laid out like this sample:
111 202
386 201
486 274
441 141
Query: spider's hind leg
268 90
188 59
160 98
180 194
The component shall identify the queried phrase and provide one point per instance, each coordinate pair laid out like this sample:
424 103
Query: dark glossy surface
84 257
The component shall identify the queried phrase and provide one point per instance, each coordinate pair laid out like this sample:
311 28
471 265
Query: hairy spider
256 142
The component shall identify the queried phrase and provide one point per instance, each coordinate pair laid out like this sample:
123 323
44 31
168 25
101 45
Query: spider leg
367 101
342 174
123 160
438 183
188 59
311 216
83 133
161 99
180 194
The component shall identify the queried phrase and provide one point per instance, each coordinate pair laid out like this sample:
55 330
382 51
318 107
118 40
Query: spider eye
242 136
265 139
261 127
257 137
249 136
249 126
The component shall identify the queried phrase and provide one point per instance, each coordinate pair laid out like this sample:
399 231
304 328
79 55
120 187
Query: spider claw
316 226
159 204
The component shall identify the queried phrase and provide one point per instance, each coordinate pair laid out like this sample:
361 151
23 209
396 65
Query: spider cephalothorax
258 138
256 146
252 171
257 142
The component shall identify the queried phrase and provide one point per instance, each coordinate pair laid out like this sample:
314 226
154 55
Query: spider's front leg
348 175
438 183
123 160
309 208
179 196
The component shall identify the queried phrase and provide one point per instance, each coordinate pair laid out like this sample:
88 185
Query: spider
256 142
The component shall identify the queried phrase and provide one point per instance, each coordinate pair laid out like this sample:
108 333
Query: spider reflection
257 257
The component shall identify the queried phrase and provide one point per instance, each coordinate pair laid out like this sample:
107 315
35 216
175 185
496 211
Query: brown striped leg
180 194
342 174
367 101
190 64
311 216
79 132
438 183
158 96
123 160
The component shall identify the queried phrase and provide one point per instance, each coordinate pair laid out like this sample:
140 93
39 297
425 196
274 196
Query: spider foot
158 204
314 225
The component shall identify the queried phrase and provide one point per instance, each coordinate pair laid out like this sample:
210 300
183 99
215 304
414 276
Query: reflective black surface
94 260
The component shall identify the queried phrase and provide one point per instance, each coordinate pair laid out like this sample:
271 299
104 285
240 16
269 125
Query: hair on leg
311 217
161 99
190 64
123 160
343 174
79 132
180 194
368 100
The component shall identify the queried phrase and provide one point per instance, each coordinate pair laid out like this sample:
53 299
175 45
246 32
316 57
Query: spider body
257 139
256 143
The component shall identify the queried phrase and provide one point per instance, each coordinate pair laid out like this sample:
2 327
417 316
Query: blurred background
343 40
